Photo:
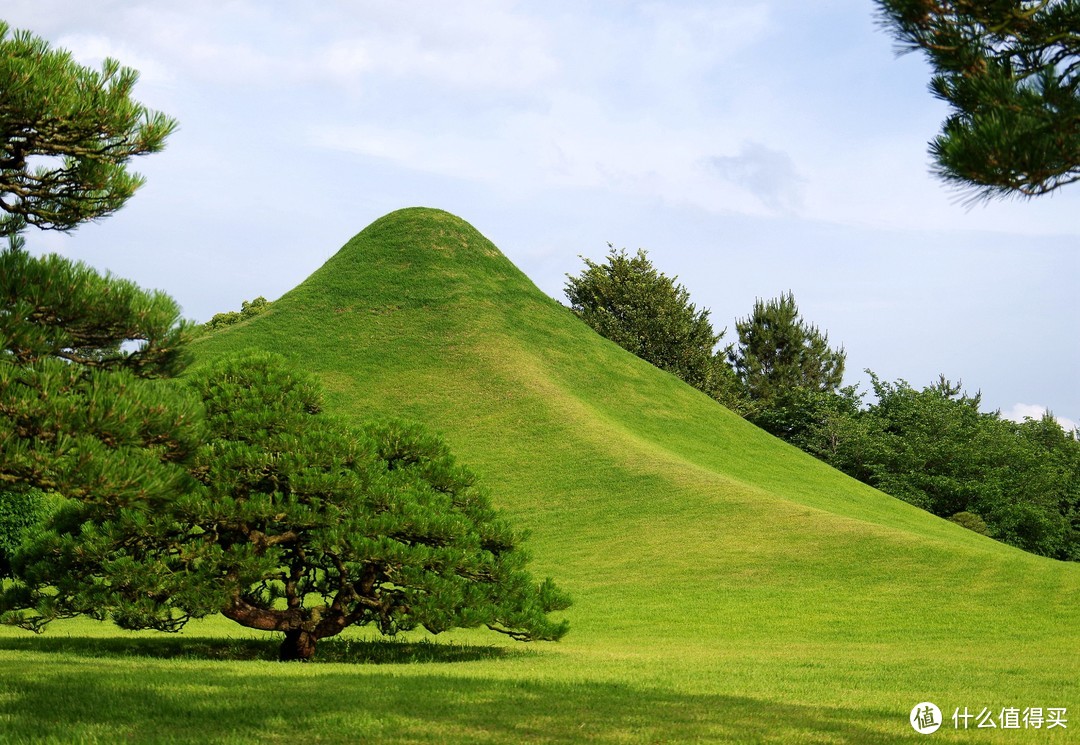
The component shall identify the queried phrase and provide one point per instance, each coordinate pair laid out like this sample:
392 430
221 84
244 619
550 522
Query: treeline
248 309
932 447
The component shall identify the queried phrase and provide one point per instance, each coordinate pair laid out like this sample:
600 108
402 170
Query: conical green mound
708 561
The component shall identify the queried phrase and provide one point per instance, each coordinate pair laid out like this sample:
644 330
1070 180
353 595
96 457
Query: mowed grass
726 586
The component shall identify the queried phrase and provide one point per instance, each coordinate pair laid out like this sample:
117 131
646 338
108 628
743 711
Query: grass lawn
726 586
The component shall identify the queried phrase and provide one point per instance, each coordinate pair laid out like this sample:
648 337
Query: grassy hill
726 585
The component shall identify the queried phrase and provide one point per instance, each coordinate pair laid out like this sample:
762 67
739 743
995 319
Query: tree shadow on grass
163 702
333 650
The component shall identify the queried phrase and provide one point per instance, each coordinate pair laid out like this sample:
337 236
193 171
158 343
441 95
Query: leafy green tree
21 510
1060 451
66 135
1009 70
933 446
315 528
787 370
625 299
806 418
935 449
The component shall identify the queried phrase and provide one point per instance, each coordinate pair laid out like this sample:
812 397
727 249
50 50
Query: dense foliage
1019 483
248 309
935 449
1009 70
66 135
87 411
85 407
21 510
625 299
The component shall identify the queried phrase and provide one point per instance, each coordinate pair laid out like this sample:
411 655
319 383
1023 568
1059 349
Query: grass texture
727 587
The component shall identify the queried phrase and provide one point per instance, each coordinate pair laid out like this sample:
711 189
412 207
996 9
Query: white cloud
575 142
697 36
589 99
92 49
478 46
1020 412
768 174
491 91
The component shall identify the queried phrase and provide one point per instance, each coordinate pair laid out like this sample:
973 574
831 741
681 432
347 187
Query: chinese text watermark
926 718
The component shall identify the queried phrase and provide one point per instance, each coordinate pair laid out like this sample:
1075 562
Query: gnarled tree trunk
298 645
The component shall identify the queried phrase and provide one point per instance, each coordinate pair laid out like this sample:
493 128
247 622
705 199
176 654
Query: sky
752 147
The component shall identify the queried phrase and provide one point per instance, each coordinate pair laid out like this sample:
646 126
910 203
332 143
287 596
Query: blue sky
751 147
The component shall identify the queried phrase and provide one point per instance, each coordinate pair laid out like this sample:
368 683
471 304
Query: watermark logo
926 718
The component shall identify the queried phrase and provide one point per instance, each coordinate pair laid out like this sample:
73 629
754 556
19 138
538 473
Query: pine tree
1010 71
66 135
86 407
779 352
279 518
787 373
84 414
314 527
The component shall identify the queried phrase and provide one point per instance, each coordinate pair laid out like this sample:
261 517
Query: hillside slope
704 556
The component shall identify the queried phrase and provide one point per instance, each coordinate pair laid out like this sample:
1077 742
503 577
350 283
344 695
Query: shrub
971 521
248 309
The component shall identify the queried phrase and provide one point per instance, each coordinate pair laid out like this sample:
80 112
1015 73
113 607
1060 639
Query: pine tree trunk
299 645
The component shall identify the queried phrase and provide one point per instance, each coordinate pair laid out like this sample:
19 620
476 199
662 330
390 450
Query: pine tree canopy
284 520
315 527
82 355
86 411
66 134
1009 69
778 352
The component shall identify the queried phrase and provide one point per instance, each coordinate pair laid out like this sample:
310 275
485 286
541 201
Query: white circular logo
926 718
